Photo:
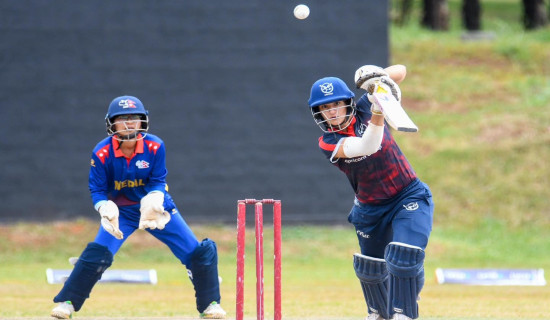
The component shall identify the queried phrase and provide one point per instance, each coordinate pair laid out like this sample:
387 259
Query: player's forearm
377 119
97 183
98 196
155 185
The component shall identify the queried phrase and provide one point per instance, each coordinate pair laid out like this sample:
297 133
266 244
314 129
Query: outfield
318 278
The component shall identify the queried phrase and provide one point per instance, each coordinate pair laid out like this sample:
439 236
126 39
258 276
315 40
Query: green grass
318 277
483 112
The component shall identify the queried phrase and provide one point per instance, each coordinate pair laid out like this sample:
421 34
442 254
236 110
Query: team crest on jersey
411 206
92 162
362 129
142 164
127 103
327 88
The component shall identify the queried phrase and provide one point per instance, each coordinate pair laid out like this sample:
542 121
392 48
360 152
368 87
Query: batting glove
375 107
109 219
392 86
368 76
152 211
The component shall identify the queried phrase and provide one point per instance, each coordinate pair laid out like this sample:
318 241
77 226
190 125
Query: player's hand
152 211
366 77
109 219
382 87
385 85
375 108
388 85
369 76
153 220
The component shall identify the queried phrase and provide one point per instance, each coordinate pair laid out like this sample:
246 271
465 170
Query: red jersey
375 178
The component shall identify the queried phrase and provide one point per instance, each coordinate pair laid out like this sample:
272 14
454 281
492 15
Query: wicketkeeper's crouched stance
393 209
128 189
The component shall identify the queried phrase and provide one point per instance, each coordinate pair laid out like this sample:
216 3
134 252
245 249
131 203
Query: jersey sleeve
329 144
157 178
97 181
363 105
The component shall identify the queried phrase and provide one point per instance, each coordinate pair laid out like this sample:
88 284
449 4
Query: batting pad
374 279
203 272
120 276
405 264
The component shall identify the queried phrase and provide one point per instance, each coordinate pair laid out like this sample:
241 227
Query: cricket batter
393 210
128 188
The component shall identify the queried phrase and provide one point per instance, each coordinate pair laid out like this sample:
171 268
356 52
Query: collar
118 152
350 130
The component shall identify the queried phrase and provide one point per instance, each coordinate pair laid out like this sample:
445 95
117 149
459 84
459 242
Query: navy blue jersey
375 178
126 180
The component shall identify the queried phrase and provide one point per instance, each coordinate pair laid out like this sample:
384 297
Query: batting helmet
327 90
126 105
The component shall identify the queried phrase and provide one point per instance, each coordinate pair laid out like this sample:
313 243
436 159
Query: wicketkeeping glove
368 76
152 211
109 218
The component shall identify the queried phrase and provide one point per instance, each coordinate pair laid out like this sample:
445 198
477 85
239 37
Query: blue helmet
327 90
126 105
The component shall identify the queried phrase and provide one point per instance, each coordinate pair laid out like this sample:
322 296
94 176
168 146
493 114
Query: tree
435 14
471 15
534 14
403 9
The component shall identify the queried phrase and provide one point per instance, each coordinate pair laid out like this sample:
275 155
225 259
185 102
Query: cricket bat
394 113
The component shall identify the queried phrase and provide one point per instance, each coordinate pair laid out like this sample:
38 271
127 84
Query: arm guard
368 144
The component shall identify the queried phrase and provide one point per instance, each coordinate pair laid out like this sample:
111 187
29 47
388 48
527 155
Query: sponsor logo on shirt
352 160
142 164
129 184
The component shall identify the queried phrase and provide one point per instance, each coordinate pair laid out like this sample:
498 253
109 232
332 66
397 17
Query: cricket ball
301 11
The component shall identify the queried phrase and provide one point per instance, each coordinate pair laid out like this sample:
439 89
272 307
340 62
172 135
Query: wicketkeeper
128 188
393 210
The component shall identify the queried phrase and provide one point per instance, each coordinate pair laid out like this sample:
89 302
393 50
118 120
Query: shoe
64 310
214 311
374 316
400 316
